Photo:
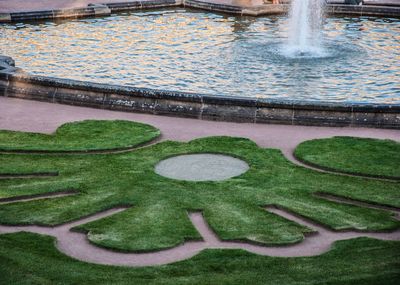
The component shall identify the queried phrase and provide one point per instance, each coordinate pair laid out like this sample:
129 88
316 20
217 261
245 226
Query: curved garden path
77 246
34 116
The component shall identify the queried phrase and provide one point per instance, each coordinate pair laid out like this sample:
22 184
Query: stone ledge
5 17
92 10
137 5
100 9
96 10
15 83
269 9
364 10
210 6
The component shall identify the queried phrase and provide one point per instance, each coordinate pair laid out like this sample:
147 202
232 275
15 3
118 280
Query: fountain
305 25
296 58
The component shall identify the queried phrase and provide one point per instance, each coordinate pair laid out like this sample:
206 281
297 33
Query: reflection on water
203 52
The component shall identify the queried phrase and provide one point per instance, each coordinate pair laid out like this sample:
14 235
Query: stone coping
92 10
15 83
230 7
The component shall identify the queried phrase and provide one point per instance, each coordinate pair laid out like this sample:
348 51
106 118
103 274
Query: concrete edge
334 9
96 10
92 10
17 84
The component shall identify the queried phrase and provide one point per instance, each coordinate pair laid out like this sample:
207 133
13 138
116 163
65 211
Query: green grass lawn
353 155
81 136
158 216
32 259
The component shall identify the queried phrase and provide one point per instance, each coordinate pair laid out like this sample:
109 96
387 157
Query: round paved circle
201 167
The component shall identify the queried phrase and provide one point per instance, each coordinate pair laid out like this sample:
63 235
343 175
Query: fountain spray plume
305 25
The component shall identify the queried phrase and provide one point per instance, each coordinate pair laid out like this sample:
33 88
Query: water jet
305 24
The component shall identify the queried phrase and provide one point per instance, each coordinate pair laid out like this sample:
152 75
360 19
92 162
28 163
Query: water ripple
185 50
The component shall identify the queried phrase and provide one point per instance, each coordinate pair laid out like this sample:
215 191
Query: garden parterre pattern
156 215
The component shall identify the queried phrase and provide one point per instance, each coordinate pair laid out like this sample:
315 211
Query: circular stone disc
201 167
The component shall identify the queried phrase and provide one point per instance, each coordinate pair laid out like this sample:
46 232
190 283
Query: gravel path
23 115
33 116
76 245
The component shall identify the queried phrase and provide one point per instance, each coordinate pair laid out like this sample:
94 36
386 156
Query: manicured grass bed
158 216
81 136
353 155
32 259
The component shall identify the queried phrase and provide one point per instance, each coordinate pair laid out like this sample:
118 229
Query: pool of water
185 50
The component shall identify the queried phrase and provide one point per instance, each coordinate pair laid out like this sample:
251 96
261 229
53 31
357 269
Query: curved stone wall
15 83
384 8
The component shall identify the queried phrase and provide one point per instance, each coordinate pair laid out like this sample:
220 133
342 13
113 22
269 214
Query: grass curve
362 156
82 136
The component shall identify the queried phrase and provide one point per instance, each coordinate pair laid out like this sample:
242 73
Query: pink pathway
21 115
76 245
12 6
33 116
